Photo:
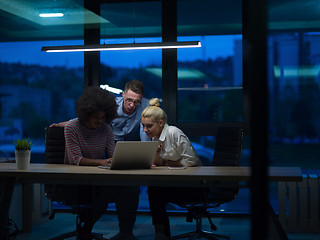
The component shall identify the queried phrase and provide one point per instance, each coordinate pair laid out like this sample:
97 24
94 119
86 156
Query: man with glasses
127 127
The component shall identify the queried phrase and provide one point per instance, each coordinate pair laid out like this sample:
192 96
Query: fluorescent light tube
131 46
46 15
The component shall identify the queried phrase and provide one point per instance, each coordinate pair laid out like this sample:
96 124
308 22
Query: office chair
227 152
54 154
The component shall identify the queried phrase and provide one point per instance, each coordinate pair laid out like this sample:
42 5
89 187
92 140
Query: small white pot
22 159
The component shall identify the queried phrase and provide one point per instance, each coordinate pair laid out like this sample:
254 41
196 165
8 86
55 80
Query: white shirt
176 146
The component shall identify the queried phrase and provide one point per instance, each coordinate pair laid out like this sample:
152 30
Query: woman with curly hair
89 138
90 142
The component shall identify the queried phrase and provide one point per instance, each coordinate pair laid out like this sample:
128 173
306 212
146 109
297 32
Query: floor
237 228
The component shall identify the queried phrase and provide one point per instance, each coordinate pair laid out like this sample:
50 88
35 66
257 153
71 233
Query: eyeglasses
135 102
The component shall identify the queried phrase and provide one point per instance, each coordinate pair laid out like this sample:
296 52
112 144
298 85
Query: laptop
133 155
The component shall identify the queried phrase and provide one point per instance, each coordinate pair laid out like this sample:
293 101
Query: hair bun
154 102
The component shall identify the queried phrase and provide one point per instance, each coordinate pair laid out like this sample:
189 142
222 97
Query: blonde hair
154 111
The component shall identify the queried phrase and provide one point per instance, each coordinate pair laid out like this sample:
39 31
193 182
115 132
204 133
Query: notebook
133 155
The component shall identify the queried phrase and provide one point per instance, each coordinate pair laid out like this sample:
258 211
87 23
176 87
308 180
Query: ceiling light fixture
130 46
46 15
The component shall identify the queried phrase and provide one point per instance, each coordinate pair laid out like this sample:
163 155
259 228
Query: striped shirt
89 143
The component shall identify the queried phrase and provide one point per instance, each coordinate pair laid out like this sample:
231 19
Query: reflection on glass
210 81
294 99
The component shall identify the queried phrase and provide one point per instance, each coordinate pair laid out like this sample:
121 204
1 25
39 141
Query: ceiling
20 21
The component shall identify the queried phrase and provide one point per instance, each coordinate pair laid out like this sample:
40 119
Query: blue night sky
30 53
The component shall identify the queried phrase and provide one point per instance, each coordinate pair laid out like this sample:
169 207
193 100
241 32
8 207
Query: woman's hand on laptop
106 162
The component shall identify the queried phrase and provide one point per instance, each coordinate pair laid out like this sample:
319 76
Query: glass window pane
37 89
210 77
210 80
293 78
119 67
294 93
294 99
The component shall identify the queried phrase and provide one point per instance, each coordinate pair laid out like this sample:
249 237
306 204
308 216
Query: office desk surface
60 173
158 176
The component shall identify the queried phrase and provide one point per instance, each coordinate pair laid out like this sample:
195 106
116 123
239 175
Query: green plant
23 144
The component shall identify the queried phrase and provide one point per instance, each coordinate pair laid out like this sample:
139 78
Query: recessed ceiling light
51 14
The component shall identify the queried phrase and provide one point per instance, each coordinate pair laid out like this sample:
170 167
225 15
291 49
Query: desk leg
26 207
276 231
6 189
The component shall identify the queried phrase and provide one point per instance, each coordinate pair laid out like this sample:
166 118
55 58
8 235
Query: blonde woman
174 150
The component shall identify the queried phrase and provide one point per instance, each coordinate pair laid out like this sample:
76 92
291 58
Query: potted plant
22 153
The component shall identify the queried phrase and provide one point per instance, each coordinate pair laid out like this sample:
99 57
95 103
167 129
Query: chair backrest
228 148
54 154
54 145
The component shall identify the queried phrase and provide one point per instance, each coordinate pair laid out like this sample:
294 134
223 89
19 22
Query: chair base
200 234
96 236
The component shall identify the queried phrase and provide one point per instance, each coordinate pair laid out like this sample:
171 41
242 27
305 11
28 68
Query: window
294 98
210 80
293 80
37 89
119 67
294 84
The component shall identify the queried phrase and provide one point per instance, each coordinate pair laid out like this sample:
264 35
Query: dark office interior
267 82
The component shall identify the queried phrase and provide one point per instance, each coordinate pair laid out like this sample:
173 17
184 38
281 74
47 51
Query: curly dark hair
96 99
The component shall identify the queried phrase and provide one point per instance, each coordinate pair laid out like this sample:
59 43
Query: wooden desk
159 176
192 176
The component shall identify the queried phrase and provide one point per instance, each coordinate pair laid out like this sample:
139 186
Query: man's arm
61 124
